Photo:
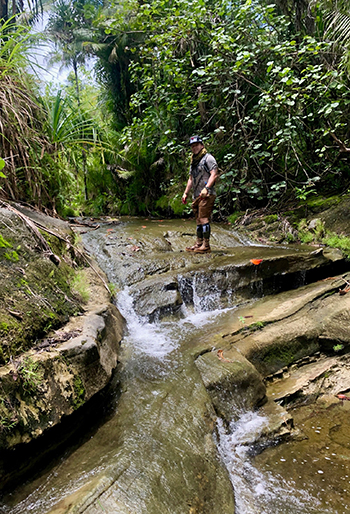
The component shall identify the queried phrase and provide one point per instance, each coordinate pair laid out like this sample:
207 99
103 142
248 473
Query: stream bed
164 450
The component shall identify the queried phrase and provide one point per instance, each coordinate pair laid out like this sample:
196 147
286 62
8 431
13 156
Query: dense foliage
264 84
271 102
22 137
52 142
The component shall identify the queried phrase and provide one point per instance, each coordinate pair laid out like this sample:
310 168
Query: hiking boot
204 248
197 245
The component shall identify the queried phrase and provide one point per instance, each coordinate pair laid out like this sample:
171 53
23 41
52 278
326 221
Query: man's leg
199 231
206 232
205 209
199 241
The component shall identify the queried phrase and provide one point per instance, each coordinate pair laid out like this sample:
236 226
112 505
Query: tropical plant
30 374
69 28
272 103
333 19
22 139
73 128
10 10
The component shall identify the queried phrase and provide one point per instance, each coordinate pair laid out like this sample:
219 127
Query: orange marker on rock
256 261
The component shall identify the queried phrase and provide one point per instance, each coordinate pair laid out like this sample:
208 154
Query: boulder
233 384
59 330
156 297
62 372
37 280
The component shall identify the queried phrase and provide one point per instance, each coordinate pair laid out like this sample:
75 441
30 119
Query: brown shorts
202 209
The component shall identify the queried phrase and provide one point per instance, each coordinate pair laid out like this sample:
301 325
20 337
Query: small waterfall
230 292
301 279
259 492
150 338
244 240
160 338
257 284
204 298
203 294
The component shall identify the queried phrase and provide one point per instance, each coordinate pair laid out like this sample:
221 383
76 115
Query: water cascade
157 453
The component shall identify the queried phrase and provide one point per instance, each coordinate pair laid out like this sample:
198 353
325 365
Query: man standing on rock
203 174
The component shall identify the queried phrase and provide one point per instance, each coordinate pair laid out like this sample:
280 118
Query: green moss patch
271 218
336 241
79 392
31 375
4 243
276 356
318 204
235 216
36 295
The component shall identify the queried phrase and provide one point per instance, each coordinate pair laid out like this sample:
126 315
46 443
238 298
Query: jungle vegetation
266 85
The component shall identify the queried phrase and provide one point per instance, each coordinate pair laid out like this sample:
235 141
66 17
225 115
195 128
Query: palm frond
338 27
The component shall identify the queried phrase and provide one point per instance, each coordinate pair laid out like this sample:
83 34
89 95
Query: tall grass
22 140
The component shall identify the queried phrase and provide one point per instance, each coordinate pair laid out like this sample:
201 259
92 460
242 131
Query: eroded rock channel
222 359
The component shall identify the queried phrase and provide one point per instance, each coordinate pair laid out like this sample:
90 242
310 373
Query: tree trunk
75 68
3 9
83 152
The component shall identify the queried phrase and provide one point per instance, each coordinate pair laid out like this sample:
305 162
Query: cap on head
195 139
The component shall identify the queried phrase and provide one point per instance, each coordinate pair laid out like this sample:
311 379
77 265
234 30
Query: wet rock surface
164 463
161 282
310 323
59 349
157 454
298 340
233 384
316 462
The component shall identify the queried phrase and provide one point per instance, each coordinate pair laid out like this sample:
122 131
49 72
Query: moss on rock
79 392
318 204
276 356
36 295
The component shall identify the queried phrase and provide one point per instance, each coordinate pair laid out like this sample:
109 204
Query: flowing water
150 450
152 421
262 489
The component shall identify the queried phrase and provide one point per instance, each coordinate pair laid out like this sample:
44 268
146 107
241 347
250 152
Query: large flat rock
296 380
149 258
278 330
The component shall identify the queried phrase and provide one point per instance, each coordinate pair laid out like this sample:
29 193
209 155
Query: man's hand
204 192
184 198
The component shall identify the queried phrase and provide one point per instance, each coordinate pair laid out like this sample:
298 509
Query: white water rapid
256 491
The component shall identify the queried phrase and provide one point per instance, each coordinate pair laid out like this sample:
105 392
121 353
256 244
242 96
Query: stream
157 454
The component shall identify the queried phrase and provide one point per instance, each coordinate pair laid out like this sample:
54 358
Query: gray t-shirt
201 173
